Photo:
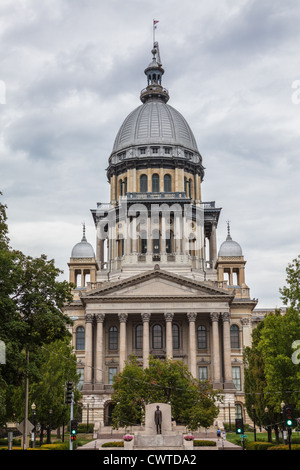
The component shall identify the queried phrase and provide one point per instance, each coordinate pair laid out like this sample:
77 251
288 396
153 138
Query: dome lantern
154 73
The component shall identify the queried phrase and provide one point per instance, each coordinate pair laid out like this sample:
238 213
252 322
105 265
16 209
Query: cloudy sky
72 70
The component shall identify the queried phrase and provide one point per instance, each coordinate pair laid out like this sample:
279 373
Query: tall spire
228 230
83 233
154 73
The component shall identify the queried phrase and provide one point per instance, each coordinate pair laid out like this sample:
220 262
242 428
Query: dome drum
176 157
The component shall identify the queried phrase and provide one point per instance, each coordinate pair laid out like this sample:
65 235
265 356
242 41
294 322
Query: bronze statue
158 420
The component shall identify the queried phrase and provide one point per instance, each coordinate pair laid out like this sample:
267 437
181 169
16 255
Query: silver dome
154 123
83 249
230 247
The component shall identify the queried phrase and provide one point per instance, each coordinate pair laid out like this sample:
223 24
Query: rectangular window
80 372
111 373
142 151
155 150
203 373
167 150
236 377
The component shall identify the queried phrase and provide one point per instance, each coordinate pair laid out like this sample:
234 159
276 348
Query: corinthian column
146 350
192 343
99 348
216 350
169 334
88 350
122 318
228 383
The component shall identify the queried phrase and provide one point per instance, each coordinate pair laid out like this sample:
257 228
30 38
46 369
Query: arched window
80 338
139 337
176 336
238 411
157 337
143 183
202 337
155 183
167 184
113 338
234 337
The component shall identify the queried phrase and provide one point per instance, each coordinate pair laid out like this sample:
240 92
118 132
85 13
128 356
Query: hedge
258 445
286 447
198 443
113 444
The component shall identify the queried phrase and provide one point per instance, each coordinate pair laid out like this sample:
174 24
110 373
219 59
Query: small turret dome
230 247
83 249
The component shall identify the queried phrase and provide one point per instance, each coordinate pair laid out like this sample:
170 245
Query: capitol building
157 283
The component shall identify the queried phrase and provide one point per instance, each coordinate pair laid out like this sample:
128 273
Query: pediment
157 284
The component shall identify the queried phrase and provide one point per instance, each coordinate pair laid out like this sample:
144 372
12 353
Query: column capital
146 316
245 321
169 316
191 316
214 316
100 317
225 316
123 317
89 318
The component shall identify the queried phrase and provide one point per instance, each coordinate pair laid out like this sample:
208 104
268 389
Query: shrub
285 447
113 444
258 445
55 446
199 443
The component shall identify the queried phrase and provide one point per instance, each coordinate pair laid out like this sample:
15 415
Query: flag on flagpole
154 28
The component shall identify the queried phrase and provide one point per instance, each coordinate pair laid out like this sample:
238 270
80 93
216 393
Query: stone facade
157 284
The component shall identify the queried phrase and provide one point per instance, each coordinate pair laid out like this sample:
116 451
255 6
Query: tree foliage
31 315
290 293
272 373
193 403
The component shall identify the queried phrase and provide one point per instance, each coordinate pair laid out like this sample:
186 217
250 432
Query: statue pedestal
149 439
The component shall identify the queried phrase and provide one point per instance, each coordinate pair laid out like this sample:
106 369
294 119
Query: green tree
193 403
271 375
31 310
290 293
129 390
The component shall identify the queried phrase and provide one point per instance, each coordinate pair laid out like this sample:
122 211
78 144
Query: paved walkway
97 444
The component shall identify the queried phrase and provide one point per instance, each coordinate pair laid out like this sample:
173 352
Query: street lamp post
33 408
268 426
50 425
253 408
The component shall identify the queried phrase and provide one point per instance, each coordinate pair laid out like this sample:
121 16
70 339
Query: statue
158 420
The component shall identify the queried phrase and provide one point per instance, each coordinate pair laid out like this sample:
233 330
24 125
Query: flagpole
154 27
153 32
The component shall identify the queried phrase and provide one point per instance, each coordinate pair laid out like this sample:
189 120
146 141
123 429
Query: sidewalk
97 444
